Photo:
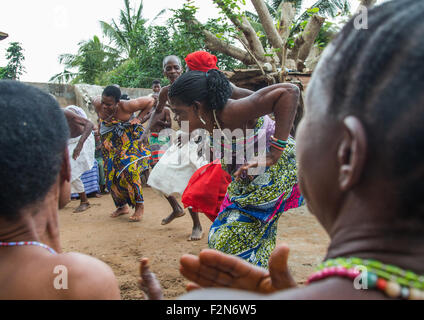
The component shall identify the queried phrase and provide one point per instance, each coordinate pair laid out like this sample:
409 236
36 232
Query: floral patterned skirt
247 223
125 160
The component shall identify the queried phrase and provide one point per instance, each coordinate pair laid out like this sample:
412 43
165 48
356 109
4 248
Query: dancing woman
246 225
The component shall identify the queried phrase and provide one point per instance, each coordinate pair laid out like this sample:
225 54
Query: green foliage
129 35
128 74
92 59
3 73
14 68
326 34
136 51
141 63
326 8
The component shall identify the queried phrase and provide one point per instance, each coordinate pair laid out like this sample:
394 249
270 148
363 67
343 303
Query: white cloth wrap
77 186
171 174
85 160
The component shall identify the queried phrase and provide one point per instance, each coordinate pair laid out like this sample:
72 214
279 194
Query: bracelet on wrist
277 147
277 142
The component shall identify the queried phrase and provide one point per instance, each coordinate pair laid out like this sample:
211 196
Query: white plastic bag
175 168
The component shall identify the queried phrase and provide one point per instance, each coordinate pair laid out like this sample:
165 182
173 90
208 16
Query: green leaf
313 10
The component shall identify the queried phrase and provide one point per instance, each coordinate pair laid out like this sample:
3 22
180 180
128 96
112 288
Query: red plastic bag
206 189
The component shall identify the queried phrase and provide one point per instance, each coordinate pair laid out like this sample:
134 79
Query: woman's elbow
292 90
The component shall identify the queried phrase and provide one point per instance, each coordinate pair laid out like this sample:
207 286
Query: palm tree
130 34
327 8
92 59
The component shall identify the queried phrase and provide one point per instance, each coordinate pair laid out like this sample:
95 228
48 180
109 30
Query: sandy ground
121 244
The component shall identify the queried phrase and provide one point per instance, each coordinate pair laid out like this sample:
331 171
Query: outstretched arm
76 121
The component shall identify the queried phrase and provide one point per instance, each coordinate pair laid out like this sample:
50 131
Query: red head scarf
201 61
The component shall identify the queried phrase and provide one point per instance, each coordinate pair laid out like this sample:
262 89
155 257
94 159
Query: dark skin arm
280 99
125 108
78 126
239 93
97 103
166 120
144 117
98 140
140 104
163 99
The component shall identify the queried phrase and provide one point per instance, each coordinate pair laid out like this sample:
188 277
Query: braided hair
212 88
377 75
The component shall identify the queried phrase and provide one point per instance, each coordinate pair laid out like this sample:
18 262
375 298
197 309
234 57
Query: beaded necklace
393 281
27 243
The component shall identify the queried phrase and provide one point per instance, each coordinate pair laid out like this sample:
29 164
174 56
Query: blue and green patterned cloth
247 223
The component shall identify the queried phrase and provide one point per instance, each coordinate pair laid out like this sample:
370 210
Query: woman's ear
198 111
351 154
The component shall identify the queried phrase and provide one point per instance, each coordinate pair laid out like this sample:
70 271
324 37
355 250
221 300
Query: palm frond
66 59
157 16
276 4
63 77
140 10
329 8
253 17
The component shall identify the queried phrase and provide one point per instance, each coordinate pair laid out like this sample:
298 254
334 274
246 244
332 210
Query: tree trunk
288 13
244 26
304 43
214 43
368 3
269 27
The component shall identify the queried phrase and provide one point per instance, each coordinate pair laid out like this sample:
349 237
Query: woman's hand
216 269
135 121
272 158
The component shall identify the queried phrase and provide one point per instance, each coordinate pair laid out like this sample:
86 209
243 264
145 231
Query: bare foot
135 218
138 213
98 195
148 282
196 234
173 216
119 212
82 207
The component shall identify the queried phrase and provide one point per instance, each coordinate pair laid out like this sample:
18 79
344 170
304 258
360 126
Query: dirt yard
121 244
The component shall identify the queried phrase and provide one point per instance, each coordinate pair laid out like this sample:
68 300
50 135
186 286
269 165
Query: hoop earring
201 119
